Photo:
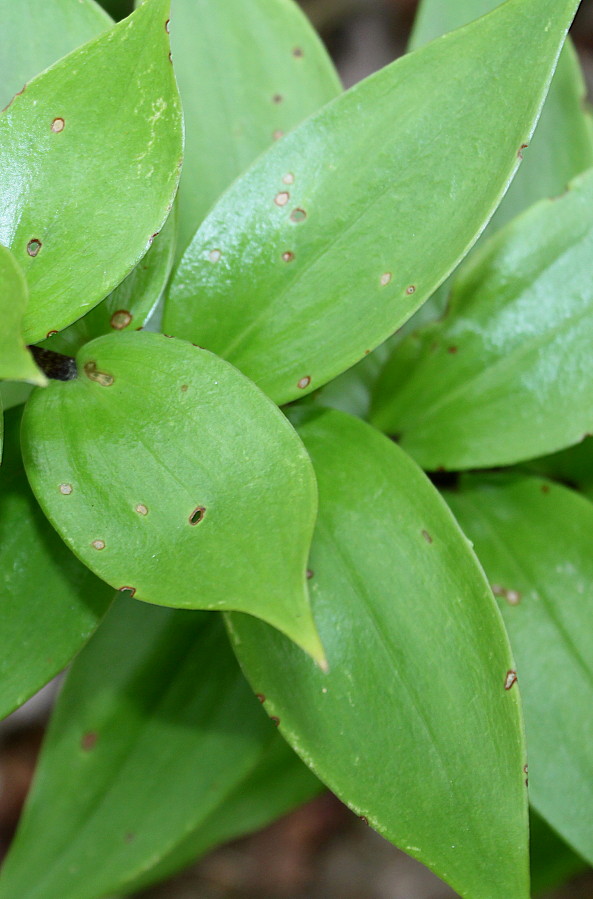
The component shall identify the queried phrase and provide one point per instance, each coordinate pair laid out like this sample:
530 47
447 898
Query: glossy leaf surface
187 484
248 72
535 541
16 362
35 34
50 604
413 726
311 259
154 727
88 174
506 376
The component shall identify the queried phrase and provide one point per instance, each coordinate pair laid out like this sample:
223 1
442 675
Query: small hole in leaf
197 515
66 489
411 289
120 319
288 256
288 178
98 544
385 279
298 215
34 246
214 255
130 590
89 741
282 198
58 125
304 382
141 509
510 680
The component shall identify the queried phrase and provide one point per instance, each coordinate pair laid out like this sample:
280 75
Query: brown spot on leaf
130 590
427 536
282 198
141 509
66 489
545 488
275 721
121 319
197 515
510 680
364 820
98 544
411 289
452 350
168 26
298 53
130 837
184 388
287 256
309 573
100 377
89 741
58 125
298 215
520 150
277 134
277 98
288 178
385 278
34 246
51 333
261 697
304 382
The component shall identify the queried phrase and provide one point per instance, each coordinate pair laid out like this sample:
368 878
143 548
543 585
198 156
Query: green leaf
187 484
413 726
312 259
132 302
239 92
101 167
485 389
279 783
50 604
35 34
16 362
534 540
552 862
155 726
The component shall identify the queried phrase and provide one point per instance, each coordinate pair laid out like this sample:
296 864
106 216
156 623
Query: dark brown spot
100 377
58 125
309 573
277 98
298 215
427 536
89 741
287 256
510 680
121 319
197 515
411 289
130 590
298 53
545 488
130 837
34 246
520 151
51 333
152 237
452 350
183 388
304 382
261 697
275 722
366 352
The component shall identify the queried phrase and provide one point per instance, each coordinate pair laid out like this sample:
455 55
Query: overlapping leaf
312 258
417 724
170 474
88 174
535 541
16 362
506 376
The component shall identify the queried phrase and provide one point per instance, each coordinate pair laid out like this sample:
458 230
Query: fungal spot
364 820
282 198
34 246
385 278
288 178
427 536
141 509
520 151
497 590
298 53
156 233
261 697
452 350
130 837
287 256
89 741
100 377
275 722
304 382
298 215
366 352
66 489
309 574
278 134
168 26
277 98
197 515
545 488
513 597
214 255
184 388
98 544
57 125
120 319
130 590
51 333
411 289
510 680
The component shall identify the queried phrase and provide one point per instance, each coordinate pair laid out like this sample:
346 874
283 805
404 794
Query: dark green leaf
50 604
88 174
535 541
16 362
188 485
153 730
552 862
485 389
413 726
312 258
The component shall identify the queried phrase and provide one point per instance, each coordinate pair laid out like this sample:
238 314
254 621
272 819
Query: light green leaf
132 302
155 726
50 604
534 539
187 484
14 393
16 362
35 34
248 72
417 725
313 258
485 389
101 167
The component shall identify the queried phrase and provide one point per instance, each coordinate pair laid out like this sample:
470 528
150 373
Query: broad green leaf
552 862
344 228
155 726
485 388
14 393
535 541
132 302
16 362
50 604
248 72
417 725
88 175
279 783
35 34
185 483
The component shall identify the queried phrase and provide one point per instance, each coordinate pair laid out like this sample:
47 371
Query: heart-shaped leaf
417 725
535 541
88 175
16 362
312 259
154 728
185 483
50 604
482 388
248 72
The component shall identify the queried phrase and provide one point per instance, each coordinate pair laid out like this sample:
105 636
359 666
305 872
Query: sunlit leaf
16 362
